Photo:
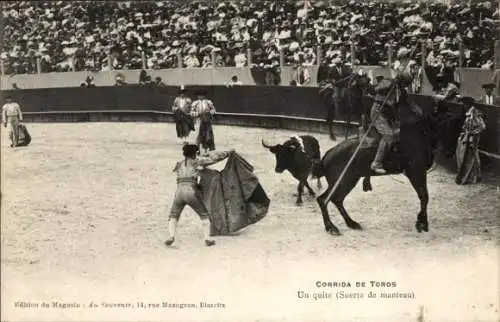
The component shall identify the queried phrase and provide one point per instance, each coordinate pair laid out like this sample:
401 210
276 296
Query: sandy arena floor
84 217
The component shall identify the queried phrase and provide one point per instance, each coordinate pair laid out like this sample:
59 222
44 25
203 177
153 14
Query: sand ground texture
84 217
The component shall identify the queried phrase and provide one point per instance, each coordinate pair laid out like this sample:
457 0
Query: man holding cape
225 201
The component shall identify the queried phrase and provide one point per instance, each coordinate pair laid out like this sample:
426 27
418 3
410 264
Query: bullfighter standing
188 191
12 117
184 123
204 110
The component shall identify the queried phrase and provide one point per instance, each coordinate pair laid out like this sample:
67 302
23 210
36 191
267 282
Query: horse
350 94
412 155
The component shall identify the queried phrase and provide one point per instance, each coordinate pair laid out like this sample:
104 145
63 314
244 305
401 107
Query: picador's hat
490 85
201 93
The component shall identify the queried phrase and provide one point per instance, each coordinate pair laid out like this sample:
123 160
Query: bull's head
284 155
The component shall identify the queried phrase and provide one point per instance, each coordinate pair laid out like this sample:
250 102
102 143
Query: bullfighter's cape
184 123
234 197
24 136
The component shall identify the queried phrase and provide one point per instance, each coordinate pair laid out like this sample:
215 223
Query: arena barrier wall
471 84
297 108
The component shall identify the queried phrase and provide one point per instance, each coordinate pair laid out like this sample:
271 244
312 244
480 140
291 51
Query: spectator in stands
191 61
234 82
240 59
273 72
84 35
143 77
489 97
300 73
120 80
158 82
90 81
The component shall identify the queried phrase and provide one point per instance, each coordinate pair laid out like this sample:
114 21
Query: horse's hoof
420 226
312 194
299 203
332 230
354 225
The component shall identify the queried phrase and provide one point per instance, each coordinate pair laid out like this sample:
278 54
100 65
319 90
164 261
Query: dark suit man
326 93
489 97
339 74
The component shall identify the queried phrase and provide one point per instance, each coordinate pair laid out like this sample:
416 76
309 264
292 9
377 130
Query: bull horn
266 145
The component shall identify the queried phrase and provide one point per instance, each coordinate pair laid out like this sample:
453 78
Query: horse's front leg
418 179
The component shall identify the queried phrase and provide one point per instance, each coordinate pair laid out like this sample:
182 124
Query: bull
298 155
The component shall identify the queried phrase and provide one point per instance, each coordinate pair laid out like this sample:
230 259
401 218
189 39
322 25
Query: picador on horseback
389 94
408 138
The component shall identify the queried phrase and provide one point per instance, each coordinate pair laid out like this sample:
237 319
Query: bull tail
317 170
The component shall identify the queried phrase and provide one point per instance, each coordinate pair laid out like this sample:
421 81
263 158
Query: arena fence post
179 60
282 58
353 53
143 58
38 66
459 72
214 59
179 68
214 67
2 67
424 53
497 54
461 54
318 55
389 55
249 57
110 62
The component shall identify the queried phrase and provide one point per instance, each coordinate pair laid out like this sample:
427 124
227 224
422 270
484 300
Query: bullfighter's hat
201 93
189 150
379 77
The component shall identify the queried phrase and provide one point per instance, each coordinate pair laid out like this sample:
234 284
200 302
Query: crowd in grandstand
76 36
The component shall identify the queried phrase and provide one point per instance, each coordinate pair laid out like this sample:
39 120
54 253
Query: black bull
297 155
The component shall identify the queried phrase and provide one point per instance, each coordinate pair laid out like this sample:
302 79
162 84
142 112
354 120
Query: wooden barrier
298 108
